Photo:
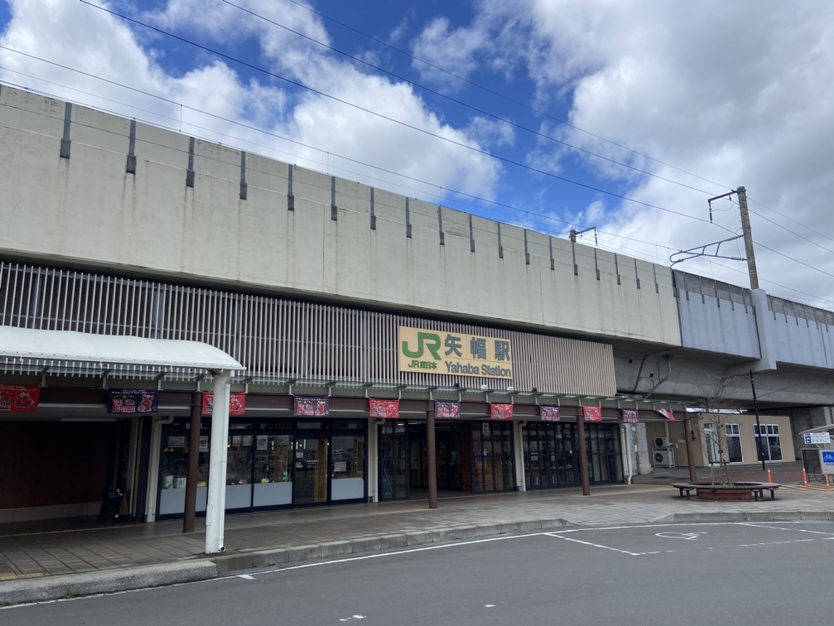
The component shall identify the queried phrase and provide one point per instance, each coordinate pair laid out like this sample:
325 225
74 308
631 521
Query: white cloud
738 93
451 50
330 126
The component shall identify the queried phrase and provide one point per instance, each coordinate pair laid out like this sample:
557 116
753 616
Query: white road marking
595 545
686 536
246 576
774 543
489 606
352 617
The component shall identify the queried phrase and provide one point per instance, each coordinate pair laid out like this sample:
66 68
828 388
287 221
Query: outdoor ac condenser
662 442
664 457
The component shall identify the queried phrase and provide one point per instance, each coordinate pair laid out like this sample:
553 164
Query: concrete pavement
53 560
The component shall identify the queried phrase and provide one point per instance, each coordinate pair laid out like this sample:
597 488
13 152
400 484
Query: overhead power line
424 131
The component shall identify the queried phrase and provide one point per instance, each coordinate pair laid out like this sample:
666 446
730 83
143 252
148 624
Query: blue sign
828 457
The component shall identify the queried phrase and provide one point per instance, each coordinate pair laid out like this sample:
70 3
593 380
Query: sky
620 118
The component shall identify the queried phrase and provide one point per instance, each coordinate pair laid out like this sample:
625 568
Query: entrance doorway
393 461
474 457
310 478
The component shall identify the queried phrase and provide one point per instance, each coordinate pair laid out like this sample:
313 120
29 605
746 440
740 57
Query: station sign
457 354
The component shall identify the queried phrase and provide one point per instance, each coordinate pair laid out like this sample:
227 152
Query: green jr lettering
425 341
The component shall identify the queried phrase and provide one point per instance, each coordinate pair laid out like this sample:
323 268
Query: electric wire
527 212
424 131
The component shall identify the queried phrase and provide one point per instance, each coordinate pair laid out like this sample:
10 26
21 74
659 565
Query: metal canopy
31 344
61 345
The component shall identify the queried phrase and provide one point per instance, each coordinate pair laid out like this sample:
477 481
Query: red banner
19 398
501 411
549 413
447 410
630 416
386 409
237 403
592 413
667 414
312 407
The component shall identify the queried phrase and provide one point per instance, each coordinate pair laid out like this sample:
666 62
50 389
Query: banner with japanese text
386 409
312 407
501 411
592 413
19 398
549 413
447 410
132 401
237 404
630 416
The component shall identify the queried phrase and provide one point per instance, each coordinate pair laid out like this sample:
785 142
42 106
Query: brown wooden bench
756 489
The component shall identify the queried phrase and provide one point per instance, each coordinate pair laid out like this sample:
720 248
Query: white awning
61 345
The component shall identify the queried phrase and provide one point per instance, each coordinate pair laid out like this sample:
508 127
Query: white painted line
775 543
246 576
796 530
595 545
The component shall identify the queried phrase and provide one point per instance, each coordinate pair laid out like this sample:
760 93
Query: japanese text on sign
433 352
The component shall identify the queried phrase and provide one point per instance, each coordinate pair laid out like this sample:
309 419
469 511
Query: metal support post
583 454
432 456
190 514
218 457
758 425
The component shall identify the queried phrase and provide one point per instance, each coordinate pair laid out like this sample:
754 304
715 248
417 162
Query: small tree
715 407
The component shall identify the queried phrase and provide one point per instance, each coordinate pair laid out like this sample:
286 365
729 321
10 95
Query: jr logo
425 341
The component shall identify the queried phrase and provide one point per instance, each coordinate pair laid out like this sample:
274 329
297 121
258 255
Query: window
733 443
768 442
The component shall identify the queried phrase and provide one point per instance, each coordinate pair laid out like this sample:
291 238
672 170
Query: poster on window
447 410
312 407
549 413
237 403
19 398
592 413
131 401
501 411
629 416
385 409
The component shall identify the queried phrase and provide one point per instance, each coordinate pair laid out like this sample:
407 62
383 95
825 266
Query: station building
388 348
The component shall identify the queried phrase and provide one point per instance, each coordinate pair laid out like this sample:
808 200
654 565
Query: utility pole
747 233
748 238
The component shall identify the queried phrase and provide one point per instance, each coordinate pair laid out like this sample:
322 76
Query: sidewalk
38 564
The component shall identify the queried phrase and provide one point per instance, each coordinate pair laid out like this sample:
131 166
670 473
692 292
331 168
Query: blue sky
465 104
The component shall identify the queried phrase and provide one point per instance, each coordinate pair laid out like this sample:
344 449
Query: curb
756 516
105 581
298 555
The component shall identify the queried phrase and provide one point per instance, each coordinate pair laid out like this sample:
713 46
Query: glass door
310 463
393 462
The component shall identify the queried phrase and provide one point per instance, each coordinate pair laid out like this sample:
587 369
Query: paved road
759 573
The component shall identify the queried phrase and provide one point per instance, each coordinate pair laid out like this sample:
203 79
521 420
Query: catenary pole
748 238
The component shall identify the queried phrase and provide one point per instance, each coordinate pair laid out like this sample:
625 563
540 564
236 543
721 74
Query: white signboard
823 437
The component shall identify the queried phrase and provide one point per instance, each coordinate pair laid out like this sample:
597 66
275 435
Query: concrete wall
408 254
715 325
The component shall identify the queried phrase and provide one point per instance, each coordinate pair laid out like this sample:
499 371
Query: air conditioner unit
664 458
662 442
